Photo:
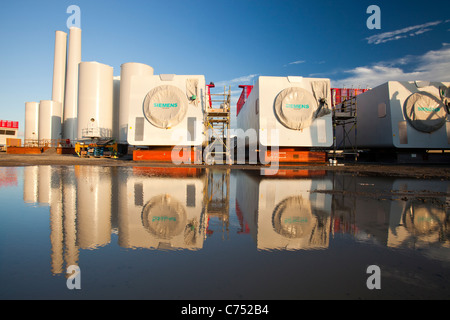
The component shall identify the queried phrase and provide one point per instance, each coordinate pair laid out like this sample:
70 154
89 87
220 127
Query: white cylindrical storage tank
31 122
116 107
71 94
95 101
127 70
49 122
59 67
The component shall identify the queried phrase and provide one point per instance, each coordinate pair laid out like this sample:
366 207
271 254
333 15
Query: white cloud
294 62
402 33
297 62
432 66
237 81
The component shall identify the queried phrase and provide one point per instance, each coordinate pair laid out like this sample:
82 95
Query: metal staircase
345 119
217 126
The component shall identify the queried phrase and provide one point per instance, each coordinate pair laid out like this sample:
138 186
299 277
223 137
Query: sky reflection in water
189 233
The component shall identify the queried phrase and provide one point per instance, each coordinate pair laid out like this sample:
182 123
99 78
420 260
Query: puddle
200 233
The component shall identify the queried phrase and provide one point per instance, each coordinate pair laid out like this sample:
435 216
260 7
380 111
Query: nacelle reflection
281 211
163 209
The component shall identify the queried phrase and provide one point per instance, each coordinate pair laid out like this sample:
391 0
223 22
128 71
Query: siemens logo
428 109
165 105
297 106
295 220
163 218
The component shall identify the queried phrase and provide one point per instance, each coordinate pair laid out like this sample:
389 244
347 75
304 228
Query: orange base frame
164 154
295 156
293 173
25 150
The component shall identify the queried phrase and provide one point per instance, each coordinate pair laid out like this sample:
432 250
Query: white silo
95 101
166 110
71 93
127 70
31 123
116 107
49 122
59 67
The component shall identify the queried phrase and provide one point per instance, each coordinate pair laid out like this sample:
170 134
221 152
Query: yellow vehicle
97 149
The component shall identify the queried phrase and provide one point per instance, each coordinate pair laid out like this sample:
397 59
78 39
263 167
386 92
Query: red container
339 95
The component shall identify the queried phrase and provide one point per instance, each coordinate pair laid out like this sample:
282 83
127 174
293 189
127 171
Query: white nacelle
166 110
403 115
288 112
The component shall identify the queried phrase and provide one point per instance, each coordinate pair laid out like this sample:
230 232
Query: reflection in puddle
151 208
282 212
8 177
162 209
397 213
295 213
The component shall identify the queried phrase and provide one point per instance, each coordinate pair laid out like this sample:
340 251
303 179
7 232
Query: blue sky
230 42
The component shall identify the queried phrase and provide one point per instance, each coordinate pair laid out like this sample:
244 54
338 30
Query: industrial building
8 133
